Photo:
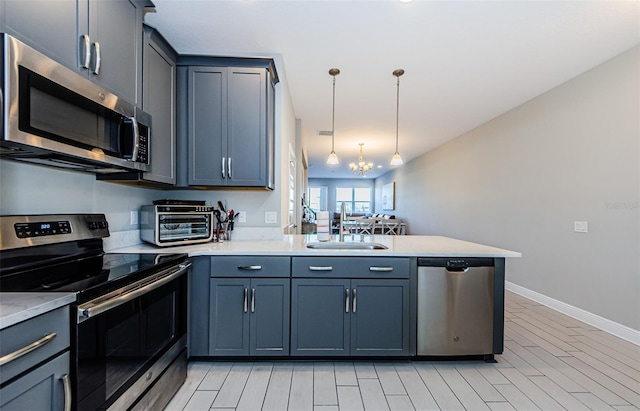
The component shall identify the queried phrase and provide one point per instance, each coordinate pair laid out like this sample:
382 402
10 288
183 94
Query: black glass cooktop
90 275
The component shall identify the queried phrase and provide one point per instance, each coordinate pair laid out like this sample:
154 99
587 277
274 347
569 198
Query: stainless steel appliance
176 223
129 320
55 116
455 306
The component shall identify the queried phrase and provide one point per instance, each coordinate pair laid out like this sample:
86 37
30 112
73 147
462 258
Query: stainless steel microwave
173 224
55 116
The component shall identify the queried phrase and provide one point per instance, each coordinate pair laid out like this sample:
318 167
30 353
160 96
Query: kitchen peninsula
282 299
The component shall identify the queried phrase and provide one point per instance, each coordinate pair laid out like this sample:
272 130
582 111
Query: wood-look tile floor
550 362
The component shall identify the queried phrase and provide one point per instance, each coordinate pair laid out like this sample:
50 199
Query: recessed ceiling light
406 1
379 166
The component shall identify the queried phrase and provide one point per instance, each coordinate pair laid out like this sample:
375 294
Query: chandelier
361 168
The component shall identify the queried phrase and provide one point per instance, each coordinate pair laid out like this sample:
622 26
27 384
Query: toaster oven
176 224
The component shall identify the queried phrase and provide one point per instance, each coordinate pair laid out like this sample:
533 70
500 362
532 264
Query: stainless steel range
129 321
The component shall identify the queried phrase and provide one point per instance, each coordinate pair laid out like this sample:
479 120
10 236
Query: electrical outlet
580 226
133 217
242 216
270 217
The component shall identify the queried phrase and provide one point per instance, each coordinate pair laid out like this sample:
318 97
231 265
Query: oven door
121 335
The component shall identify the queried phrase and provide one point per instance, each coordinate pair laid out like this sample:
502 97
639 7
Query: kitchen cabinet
249 306
198 308
350 306
100 39
37 379
230 122
159 100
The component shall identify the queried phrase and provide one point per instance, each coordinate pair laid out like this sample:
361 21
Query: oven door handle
92 308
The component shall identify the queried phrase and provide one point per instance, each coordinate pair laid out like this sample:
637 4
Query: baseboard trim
619 330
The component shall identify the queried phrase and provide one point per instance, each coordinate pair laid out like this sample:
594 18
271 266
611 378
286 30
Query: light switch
270 217
580 226
242 216
133 218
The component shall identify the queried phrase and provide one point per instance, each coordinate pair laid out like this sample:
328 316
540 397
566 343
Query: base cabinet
249 306
41 389
249 316
343 317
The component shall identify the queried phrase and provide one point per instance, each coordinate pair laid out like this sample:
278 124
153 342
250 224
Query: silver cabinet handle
250 267
87 51
253 300
229 167
224 168
320 268
380 269
128 293
5 359
66 383
245 300
355 303
346 300
96 68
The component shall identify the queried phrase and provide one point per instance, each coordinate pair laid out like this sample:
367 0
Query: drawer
27 332
251 266
351 267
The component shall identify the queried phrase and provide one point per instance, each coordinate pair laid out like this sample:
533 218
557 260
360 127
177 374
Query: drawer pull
380 269
320 268
250 267
27 349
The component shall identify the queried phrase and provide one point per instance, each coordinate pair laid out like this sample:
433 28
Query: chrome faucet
343 218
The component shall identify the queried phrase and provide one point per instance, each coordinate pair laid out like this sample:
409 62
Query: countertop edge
16 307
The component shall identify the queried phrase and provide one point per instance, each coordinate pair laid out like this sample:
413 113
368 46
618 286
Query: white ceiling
466 62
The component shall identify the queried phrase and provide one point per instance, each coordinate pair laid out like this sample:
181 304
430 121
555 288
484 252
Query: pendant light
333 157
396 160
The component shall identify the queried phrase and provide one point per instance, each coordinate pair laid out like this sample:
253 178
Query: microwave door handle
96 69
136 138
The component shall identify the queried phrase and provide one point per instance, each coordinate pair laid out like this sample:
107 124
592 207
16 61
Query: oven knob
149 376
93 225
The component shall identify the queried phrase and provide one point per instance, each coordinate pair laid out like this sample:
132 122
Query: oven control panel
27 230
18 231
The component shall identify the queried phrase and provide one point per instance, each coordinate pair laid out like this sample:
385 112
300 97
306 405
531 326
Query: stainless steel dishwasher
455 306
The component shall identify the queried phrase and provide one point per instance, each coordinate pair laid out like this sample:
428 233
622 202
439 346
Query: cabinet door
269 324
159 96
380 317
48 26
229 316
320 310
208 126
116 25
41 389
247 127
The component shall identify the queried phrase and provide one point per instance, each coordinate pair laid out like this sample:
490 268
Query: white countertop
18 307
295 245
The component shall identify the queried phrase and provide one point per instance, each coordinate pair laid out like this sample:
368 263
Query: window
357 200
317 198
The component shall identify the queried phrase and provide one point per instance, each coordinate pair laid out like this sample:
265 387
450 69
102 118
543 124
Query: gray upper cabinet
159 100
100 39
230 126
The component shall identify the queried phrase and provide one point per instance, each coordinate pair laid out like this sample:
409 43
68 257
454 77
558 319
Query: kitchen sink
337 245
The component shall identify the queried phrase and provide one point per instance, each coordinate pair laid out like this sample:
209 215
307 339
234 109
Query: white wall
521 180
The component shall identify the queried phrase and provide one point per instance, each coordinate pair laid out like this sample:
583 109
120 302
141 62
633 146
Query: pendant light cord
397 111
333 114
